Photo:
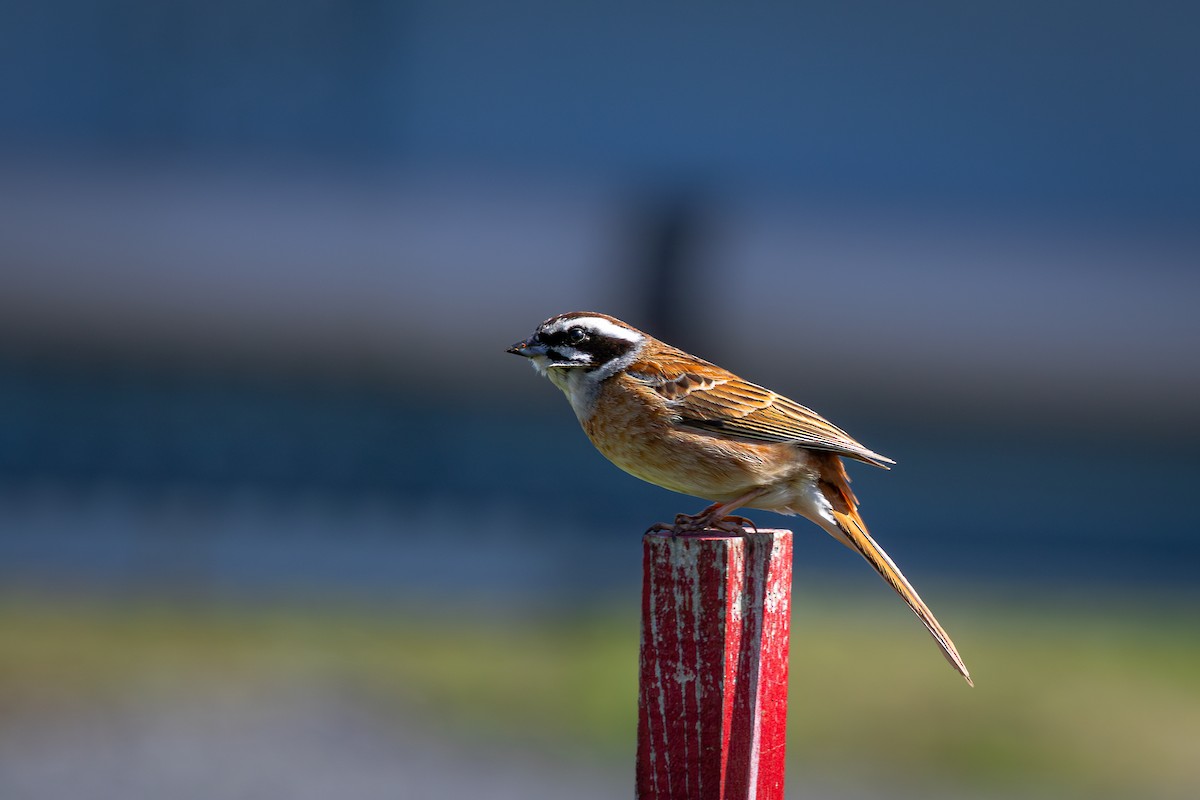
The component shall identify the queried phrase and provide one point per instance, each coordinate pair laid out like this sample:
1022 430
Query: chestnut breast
635 429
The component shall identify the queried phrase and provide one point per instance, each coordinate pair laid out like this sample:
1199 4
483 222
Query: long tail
852 527
851 531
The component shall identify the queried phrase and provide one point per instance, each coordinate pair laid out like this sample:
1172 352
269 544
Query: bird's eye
576 335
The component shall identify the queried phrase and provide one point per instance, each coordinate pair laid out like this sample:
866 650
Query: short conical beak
527 349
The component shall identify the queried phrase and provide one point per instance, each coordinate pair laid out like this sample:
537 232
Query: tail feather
852 531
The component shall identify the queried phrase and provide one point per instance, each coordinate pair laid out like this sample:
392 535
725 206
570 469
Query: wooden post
712 704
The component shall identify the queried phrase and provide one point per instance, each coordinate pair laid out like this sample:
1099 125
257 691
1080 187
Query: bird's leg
687 523
715 517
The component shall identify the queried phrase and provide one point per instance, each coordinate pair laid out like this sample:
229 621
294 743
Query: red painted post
712 704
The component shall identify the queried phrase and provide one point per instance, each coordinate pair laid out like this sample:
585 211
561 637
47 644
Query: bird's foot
709 519
733 524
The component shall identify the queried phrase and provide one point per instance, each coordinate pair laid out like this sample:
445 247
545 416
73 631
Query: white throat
580 388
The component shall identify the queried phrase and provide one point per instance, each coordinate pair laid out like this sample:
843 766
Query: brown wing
716 400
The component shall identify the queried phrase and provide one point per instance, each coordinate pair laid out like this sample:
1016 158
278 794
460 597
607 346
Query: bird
688 425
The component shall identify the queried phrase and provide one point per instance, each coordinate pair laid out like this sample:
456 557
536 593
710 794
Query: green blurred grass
1069 700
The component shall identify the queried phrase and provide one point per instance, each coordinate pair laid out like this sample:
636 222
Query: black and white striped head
581 340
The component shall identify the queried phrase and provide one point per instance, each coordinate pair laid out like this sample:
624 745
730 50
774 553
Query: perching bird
687 425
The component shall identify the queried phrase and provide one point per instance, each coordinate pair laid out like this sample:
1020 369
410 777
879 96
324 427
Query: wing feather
716 400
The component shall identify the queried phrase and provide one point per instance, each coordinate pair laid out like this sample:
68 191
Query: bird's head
596 345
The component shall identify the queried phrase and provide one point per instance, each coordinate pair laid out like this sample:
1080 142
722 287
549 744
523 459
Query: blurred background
279 518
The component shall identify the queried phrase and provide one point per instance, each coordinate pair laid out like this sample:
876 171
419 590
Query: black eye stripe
600 347
559 338
605 349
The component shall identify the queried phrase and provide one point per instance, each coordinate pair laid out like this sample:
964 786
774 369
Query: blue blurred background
258 267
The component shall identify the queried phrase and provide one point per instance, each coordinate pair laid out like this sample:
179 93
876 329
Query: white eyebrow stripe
597 324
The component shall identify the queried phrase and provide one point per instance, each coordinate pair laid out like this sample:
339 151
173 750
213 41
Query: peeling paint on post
712 705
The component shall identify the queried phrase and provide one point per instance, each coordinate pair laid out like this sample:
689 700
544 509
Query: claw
734 524
685 524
